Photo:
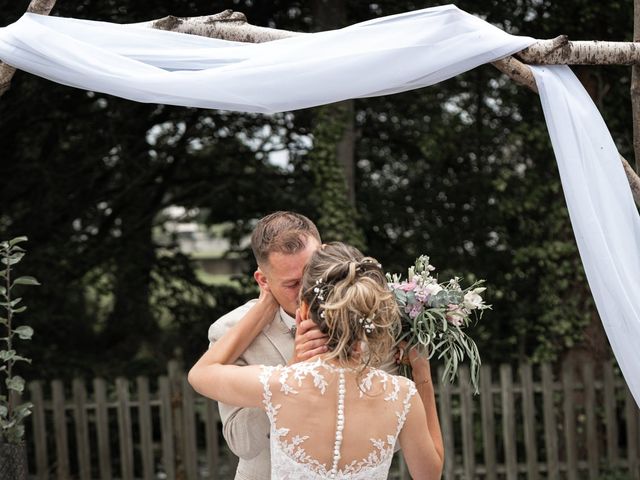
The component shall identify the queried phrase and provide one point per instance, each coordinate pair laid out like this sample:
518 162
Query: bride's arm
211 375
422 447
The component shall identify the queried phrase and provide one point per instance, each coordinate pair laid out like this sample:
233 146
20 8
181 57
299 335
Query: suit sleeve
246 430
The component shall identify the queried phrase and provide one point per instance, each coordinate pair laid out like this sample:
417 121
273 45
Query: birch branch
561 51
41 7
226 25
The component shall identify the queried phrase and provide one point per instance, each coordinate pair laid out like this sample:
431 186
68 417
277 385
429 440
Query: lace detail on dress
287 391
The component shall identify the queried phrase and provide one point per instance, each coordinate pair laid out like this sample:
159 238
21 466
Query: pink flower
407 286
455 315
413 310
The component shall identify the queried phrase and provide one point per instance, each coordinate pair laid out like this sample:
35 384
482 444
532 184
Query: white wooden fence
570 422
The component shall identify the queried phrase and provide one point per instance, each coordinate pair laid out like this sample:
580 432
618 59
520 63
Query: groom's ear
260 277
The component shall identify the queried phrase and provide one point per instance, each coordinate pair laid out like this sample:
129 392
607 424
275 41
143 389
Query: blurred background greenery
138 214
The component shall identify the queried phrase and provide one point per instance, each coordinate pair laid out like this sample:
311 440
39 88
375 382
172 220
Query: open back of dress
331 422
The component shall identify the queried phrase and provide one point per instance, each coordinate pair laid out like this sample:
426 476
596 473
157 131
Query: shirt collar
288 320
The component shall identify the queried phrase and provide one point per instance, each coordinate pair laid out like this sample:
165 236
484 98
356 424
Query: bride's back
328 420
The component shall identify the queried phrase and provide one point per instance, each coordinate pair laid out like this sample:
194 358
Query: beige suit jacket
246 430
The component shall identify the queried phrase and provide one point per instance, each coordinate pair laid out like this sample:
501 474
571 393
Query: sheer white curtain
382 56
603 215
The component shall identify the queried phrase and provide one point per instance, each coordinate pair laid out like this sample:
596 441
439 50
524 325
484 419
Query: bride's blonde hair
349 300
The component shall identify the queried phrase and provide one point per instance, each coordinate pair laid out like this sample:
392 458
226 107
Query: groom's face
284 275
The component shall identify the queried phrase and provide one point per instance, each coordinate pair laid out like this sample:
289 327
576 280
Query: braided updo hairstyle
349 300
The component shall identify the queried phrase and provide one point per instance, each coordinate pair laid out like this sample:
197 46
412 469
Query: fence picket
82 428
60 429
39 431
146 428
102 428
466 419
631 414
446 425
569 421
213 449
488 423
166 422
190 445
189 424
124 429
592 428
610 413
550 423
508 423
529 421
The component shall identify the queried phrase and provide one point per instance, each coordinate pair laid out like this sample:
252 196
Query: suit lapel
280 336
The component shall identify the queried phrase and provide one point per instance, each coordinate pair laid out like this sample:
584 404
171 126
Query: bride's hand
419 363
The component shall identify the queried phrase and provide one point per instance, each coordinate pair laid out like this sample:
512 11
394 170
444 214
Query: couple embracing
299 372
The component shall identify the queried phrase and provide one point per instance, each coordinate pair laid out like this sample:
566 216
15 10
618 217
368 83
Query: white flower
473 300
432 289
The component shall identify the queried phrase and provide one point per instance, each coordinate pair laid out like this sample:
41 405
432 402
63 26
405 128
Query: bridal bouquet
435 315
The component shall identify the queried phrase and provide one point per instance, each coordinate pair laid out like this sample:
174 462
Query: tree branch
561 51
41 7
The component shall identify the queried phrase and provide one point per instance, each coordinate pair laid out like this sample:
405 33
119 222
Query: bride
337 415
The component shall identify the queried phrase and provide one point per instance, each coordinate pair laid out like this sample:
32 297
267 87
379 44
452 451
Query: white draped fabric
381 56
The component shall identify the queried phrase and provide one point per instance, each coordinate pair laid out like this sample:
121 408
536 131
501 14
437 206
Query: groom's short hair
282 232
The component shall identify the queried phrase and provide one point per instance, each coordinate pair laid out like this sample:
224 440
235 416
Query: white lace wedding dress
326 422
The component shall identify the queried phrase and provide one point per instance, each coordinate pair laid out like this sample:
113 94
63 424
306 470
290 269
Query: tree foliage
462 171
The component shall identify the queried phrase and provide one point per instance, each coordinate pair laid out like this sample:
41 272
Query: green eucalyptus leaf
26 280
13 303
24 332
19 310
7 354
19 358
17 240
12 259
15 383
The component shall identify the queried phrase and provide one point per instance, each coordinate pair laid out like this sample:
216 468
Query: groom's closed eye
295 284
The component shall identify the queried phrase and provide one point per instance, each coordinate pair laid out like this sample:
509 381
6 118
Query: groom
282 244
